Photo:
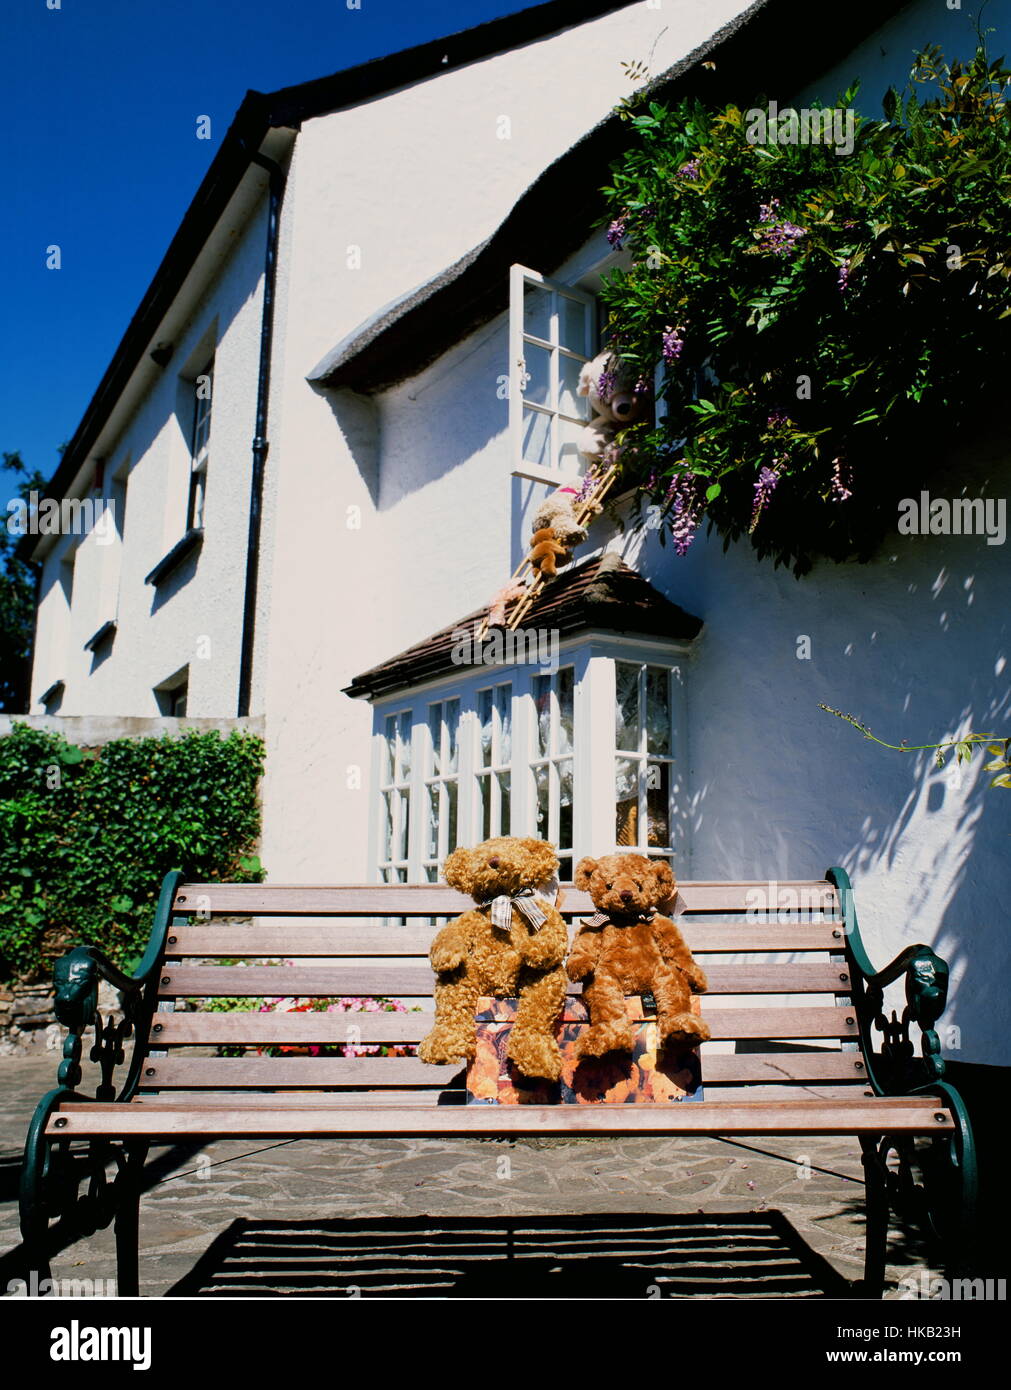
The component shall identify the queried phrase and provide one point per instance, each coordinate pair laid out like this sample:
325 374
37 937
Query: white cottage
323 466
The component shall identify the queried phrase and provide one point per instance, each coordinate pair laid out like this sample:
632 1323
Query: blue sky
102 159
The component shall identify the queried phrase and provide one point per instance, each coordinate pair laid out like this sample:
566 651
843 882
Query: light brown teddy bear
627 948
548 550
512 944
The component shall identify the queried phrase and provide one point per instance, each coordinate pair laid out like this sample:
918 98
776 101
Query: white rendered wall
413 180
197 623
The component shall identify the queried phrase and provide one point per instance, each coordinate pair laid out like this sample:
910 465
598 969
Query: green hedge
87 836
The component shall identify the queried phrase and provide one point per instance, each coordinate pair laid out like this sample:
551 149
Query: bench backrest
778 1005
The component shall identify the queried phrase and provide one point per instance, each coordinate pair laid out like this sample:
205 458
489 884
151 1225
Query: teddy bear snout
626 895
622 406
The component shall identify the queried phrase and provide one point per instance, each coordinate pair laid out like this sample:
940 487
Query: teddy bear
628 948
548 551
614 402
511 944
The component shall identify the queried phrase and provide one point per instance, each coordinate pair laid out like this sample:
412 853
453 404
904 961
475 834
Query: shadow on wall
916 645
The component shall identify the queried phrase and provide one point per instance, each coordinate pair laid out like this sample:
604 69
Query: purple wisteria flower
765 486
685 510
673 344
605 384
689 170
777 417
842 479
780 237
844 275
617 232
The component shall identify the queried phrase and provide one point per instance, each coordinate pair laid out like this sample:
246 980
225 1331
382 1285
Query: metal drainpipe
260 443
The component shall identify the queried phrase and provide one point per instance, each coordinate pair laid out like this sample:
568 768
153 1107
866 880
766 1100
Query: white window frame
519 277
396 783
200 440
442 779
593 820
497 766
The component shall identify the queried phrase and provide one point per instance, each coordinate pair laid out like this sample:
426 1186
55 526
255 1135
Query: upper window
199 443
552 333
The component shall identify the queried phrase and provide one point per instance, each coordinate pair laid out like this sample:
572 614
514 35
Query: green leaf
713 491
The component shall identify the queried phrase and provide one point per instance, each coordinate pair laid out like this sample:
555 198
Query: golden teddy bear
628 948
510 945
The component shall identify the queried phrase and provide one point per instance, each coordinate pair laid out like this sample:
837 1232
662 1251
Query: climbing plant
821 317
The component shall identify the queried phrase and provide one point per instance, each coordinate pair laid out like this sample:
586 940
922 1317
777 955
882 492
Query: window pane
432 873
657 709
404 741
541 788
572 315
503 699
485 786
565 868
452 734
388 751
537 387
569 403
505 808
537 437
405 825
484 714
432 840
565 804
386 828
565 686
542 704
537 311
451 815
435 729
626 706
658 804
626 800
569 457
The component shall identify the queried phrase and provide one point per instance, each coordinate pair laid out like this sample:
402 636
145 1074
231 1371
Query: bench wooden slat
275 1026
431 899
913 1115
302 939
323 982
310 1100
225 1073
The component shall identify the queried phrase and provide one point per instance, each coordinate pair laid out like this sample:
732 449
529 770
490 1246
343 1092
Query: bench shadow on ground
746 1255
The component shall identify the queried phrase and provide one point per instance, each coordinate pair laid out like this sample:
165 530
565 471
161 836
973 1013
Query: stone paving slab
199 1195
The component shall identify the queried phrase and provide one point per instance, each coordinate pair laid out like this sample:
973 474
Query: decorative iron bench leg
127 1221
38 1181
877 1208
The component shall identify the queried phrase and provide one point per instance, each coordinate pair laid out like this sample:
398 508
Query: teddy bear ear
663 880
457 870
583 876
543 861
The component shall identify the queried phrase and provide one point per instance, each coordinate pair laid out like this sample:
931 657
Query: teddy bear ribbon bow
525 901
601 919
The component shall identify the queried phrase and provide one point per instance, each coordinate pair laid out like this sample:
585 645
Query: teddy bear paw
684 1031
536 1055
442 1048
606 1037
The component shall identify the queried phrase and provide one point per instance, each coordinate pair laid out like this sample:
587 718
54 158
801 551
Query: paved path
698 1216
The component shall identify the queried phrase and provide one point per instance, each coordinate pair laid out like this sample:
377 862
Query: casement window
395 785
588 754
442 784
199 445
552 765
552 333
643 757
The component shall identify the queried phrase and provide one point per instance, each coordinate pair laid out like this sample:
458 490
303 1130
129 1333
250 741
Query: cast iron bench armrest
76 977
926 995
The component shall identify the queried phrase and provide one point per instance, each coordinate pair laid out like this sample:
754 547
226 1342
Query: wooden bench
804 1062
